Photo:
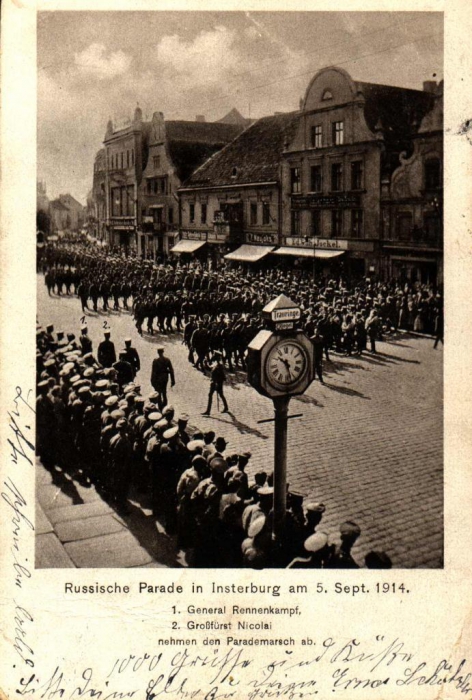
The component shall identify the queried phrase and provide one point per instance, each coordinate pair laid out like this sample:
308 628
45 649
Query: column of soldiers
93 423
349 317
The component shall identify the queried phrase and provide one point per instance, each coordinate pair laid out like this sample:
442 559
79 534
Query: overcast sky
97 65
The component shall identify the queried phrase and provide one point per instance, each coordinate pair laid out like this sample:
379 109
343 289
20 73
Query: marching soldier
218 377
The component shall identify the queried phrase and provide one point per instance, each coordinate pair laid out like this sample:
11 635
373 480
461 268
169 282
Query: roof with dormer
254 156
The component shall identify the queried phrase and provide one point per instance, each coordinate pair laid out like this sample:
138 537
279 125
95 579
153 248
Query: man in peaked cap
106 353
85 342
131 356
161 371
121 455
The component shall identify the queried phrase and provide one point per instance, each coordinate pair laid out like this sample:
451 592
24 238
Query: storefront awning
250 253
185 246
308 252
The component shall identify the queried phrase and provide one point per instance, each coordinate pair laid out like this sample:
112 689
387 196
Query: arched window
432 174
327 95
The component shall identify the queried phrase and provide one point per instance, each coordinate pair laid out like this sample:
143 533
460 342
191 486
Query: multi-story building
126 151
176 149
349 138
231 205
412 204
139 170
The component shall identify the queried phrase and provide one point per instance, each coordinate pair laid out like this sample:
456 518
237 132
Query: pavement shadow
243 428
346 391
160 546
304 398
66 485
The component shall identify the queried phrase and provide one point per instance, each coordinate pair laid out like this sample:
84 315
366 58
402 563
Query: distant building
67 214
42 200
231 204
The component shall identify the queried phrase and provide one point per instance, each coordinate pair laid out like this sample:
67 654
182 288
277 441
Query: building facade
176 149
349 135
134 206
126 151
412 205
231 205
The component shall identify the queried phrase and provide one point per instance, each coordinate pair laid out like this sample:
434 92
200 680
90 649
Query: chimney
200 118
429 86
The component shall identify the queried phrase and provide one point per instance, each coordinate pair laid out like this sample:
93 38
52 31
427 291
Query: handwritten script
333 666
20 422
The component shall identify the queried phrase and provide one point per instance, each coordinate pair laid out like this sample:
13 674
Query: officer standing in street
106 354
131 356
161 371
218 377
318 343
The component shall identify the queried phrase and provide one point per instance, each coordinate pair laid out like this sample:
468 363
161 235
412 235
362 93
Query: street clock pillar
280 365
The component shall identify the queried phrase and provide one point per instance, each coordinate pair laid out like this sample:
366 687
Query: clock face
286 364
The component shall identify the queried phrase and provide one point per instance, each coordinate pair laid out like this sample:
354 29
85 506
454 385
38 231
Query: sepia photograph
239 290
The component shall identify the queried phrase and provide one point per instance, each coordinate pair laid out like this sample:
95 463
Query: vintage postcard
235 254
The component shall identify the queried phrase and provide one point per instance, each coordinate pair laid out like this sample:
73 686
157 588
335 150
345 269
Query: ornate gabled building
175 150
412 204
133 205
350 135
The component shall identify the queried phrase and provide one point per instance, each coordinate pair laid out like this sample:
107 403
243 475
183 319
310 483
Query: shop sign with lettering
312 243
261 238
322 201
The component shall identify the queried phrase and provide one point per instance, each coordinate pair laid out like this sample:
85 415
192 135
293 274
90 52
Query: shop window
295 186
203 214
357 223
316 222
253 213
295 223
337 133
432 174
404 227
336 223
317 136
191 217
356 175
316 178
336 177
265 213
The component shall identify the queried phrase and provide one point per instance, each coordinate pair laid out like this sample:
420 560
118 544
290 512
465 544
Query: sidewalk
75 528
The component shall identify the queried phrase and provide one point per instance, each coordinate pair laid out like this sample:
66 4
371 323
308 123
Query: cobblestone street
369 443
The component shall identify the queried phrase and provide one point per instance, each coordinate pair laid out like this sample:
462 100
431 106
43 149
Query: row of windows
336 177
122 201
337 135
253 213
122 160
158 185
335 229
158 215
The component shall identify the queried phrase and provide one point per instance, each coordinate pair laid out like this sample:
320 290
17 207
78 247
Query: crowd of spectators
101 431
